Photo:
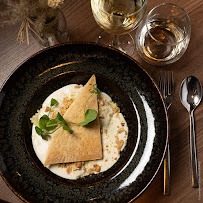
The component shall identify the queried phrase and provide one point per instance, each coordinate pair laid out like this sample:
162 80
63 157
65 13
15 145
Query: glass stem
115 40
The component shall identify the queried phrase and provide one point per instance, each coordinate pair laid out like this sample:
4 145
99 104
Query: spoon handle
193 154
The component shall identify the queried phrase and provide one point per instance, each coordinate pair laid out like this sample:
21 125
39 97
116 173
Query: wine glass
118 17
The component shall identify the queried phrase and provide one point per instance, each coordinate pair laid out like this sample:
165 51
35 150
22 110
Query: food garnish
48 126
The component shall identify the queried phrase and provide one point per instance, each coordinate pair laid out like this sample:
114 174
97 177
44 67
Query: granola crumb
69 169
120 144
117 110
91 170
77 86
120 130
101 103
47 109
97 168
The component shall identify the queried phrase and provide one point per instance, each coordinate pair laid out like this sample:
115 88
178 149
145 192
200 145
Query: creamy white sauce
114 131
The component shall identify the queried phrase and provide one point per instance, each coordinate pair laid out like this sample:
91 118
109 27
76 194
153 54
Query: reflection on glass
118 17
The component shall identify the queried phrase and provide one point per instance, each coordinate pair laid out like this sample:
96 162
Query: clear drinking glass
164 35
118 17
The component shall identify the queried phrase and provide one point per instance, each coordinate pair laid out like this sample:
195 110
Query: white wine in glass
118 17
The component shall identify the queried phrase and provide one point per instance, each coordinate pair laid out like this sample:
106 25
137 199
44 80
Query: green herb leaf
38 130
43 121
52 123
90 115
59 118
46 125
94 89
54 102
43 134
65 127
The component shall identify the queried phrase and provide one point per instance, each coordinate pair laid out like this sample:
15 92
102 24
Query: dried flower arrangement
34 14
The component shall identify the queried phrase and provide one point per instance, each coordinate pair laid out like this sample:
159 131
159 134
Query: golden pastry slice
85 142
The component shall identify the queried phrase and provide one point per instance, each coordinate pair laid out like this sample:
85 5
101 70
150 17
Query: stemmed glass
118 17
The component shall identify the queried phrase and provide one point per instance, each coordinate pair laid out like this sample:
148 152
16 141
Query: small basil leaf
53 102
65 127
38 130
43 121
59 118
90 115
51 123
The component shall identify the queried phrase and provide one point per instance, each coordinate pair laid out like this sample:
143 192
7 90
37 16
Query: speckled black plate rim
164 110
91 43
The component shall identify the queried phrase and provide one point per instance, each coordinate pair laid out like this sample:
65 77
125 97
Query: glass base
124 43
52 33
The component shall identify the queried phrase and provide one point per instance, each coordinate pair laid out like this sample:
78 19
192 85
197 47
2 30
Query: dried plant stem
25 26
27 34
36 34
21 31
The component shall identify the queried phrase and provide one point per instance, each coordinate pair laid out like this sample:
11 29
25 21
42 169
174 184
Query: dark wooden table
83 27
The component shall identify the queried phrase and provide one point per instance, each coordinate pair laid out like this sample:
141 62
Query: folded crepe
85 142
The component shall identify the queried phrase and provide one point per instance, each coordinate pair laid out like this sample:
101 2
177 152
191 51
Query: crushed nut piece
117 110
65 105
119 144
69 169
91 170
78 165
120 130
47 109
77 86
101 103
110 114
97 168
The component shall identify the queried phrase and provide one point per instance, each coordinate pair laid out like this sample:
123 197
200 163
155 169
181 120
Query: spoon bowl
190 96
190 93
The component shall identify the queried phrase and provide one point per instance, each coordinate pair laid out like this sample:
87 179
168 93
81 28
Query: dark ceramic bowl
118 75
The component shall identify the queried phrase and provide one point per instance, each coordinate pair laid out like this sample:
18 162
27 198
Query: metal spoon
190 96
